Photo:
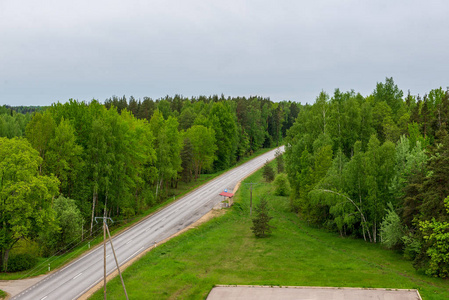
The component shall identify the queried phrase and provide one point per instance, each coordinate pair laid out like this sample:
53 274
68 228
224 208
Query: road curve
78 277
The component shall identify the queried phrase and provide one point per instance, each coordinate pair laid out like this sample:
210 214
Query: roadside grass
225 251
3 294
80 247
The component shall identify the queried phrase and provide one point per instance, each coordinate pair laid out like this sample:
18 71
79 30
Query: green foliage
261 227
64 156
188 266
282 186
70 225
25 195
436 237
203 146
21 262
391 229
279 161
224 124
390 93
13 124
129 154
412 246
268 172
168 144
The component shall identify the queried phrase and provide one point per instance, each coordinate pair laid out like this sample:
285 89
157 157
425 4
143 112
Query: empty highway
75 279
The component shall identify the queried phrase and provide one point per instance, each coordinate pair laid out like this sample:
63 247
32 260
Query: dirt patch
15 287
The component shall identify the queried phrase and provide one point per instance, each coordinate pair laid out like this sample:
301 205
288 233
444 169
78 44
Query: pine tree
261 227
268 172
279 161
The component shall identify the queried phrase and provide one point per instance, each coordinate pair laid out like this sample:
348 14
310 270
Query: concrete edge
317 287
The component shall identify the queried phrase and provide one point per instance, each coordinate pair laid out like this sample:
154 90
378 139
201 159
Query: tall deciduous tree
39 132
25 196
223 123
64 156
203 144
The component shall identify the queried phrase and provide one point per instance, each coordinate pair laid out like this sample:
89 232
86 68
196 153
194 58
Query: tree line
62 166
376 167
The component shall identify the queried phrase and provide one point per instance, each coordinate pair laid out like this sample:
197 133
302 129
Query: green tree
186 118
261 227
25 196
168 145
187 161
100 157
391 229
279 161
70 226
281 184
64 156
39 132
390 93
268 172
223 123
436 237
380 161
204 147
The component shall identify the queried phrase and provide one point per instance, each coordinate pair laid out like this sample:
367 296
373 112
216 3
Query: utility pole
104 250
116 262
104 243
104 256
251 197
106 229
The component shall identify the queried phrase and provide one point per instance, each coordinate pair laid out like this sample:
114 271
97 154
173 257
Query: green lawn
225 251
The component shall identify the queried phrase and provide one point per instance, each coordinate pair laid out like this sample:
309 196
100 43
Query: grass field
225 251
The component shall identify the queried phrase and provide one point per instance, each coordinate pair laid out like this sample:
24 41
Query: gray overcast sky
53 50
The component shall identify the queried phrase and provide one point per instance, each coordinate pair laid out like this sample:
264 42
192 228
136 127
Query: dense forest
374 167
62 165
377 168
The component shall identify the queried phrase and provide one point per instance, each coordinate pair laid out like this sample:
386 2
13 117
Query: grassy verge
3 294
57 261
225 251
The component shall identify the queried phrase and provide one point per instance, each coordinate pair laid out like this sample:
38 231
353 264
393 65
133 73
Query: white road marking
141 248
77 276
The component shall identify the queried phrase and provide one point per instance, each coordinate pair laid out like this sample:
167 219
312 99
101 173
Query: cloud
292 50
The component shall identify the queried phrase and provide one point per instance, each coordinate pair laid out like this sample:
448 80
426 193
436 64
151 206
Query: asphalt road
79 276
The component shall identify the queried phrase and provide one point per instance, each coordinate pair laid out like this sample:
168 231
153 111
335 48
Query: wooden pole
116 262
104 248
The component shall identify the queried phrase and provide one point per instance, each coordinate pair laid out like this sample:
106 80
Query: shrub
412 246
69 221
268 172
436 237
21 262
282 186
391 229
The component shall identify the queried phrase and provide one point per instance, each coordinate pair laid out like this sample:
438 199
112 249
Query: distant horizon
141 98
